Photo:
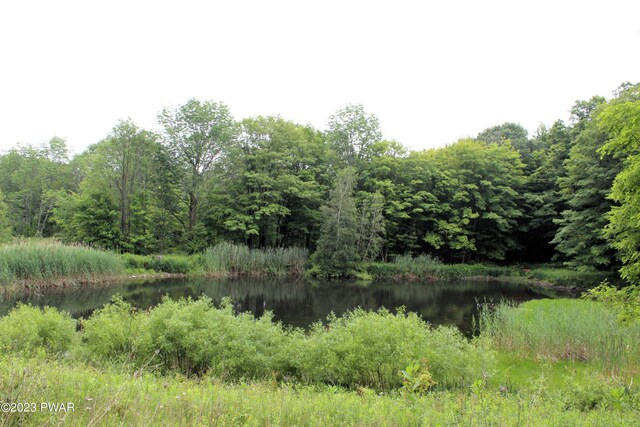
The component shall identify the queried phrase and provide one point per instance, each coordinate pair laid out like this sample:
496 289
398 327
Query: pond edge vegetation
395 363
39 264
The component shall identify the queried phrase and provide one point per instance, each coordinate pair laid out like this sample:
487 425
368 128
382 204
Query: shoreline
35 287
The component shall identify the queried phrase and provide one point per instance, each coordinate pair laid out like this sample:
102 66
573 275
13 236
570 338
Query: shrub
170 264
109 332
194 337
26 329
136 262
372 348
624 301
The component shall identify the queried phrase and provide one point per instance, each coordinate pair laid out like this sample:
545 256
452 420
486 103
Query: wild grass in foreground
576 330
42 261
113 396
237 260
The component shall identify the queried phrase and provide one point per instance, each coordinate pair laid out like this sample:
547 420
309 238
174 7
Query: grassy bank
189 363
39 264
44 262
425 267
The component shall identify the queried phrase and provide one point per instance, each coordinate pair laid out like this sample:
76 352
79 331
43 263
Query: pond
301 302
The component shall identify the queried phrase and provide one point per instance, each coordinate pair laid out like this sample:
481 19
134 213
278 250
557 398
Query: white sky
432 71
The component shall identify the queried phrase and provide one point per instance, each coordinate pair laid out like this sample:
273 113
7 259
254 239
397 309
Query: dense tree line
567 193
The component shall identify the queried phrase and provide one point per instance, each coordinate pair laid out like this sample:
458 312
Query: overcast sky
433 72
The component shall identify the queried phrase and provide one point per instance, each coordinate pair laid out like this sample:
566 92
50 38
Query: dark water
300 302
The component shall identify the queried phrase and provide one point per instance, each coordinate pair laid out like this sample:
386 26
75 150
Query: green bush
170 264
109 332
372 348
382 270
136 262
179 264
194 337
26 329
624 301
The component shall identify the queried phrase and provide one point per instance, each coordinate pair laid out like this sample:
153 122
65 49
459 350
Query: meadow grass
564 329
43 261
113 396
236 260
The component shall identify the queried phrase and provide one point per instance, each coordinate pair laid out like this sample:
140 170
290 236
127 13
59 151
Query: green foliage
565 329
624 301
228 258
5 226
90 217
32 178
371 349
179 264
620 119
352 132
114 397
427 267
486 180
198 136
336 254
272 192
571 278
28 329
416 378
580 237
194 337
43 261
109 333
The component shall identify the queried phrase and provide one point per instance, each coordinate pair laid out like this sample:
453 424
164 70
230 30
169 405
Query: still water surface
300 302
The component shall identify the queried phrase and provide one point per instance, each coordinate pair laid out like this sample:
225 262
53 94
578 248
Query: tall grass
112 397
236 260
428 267
45 260
565 329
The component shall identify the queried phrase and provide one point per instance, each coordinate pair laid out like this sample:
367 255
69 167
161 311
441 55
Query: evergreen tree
336 253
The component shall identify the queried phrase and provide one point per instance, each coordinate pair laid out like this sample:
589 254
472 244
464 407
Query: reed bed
238 260
565 329
49 260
